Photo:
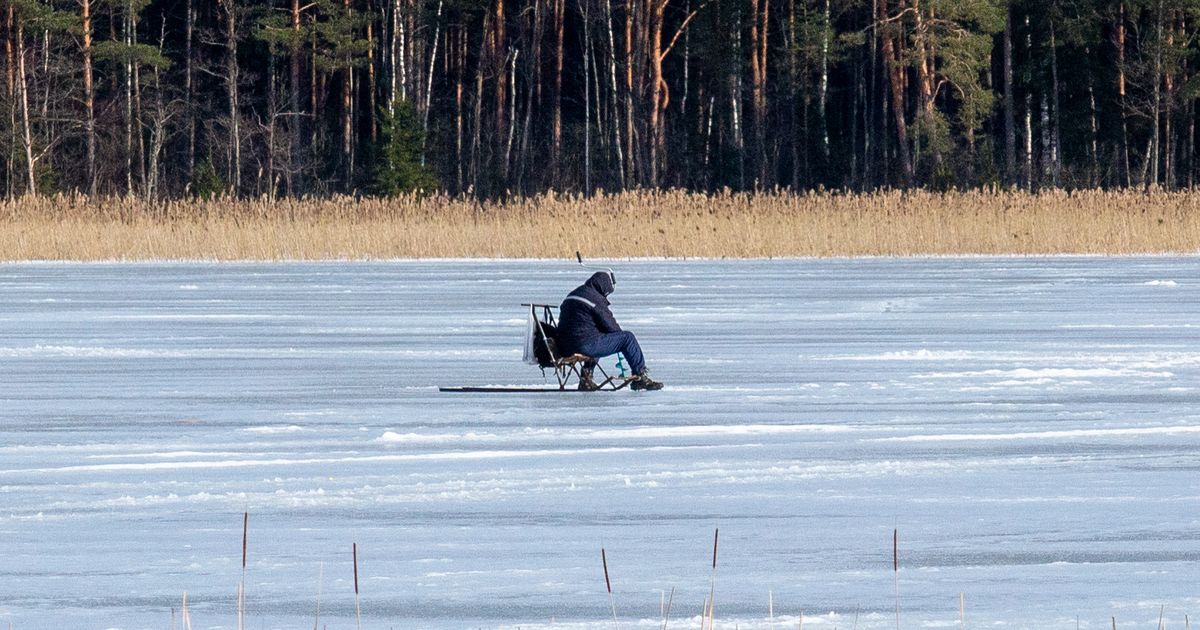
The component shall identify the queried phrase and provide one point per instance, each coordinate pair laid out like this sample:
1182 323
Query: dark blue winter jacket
585 315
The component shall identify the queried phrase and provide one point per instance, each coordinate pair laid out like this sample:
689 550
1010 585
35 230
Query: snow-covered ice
1030 426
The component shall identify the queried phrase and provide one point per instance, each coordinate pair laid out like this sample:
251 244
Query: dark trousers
612 343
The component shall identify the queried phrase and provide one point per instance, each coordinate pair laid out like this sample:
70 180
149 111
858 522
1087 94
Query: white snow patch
1044 435
1048 373
291 428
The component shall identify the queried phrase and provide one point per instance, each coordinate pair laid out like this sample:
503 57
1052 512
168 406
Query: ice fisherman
587 326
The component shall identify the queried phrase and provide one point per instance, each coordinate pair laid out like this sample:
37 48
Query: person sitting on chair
586 326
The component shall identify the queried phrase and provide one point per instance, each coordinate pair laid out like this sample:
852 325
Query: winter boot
586 384
643 382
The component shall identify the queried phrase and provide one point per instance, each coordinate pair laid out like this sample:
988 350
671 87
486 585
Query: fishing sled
541 349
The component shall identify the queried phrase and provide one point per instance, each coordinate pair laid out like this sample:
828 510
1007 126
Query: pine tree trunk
231 70
313 86
896 82
189 106
460 70
1010 133
296 120
587 102
657 83
10 58
89 96
372 118
822 84
1119 37
556 146
1190 149
794 79
347 120
630 156
10 62
758 76
500 58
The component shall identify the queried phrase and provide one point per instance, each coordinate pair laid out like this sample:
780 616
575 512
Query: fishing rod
611 276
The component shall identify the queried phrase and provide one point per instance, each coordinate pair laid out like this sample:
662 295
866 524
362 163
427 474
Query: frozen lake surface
1030 426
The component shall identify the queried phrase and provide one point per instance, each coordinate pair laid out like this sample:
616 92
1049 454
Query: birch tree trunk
1094 146
128 38
399 52
476 148
1056 135
1028 114
27 133
613 94
1155 137
157 131
137 113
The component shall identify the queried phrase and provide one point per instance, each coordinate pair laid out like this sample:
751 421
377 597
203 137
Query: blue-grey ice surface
1028 425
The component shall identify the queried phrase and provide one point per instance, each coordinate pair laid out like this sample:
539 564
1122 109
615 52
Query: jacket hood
602 282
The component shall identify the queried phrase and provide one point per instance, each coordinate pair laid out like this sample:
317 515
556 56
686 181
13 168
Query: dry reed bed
668 224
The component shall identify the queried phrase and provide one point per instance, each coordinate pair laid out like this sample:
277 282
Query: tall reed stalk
712 582
666 613
896 570
357 608
241 603
612 602
184 615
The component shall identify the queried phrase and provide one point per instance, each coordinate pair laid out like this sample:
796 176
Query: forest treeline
170 98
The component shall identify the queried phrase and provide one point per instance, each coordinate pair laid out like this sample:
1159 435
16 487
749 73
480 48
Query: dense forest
170 98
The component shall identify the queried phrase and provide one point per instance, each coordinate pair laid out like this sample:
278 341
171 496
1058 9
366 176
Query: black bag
545 347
